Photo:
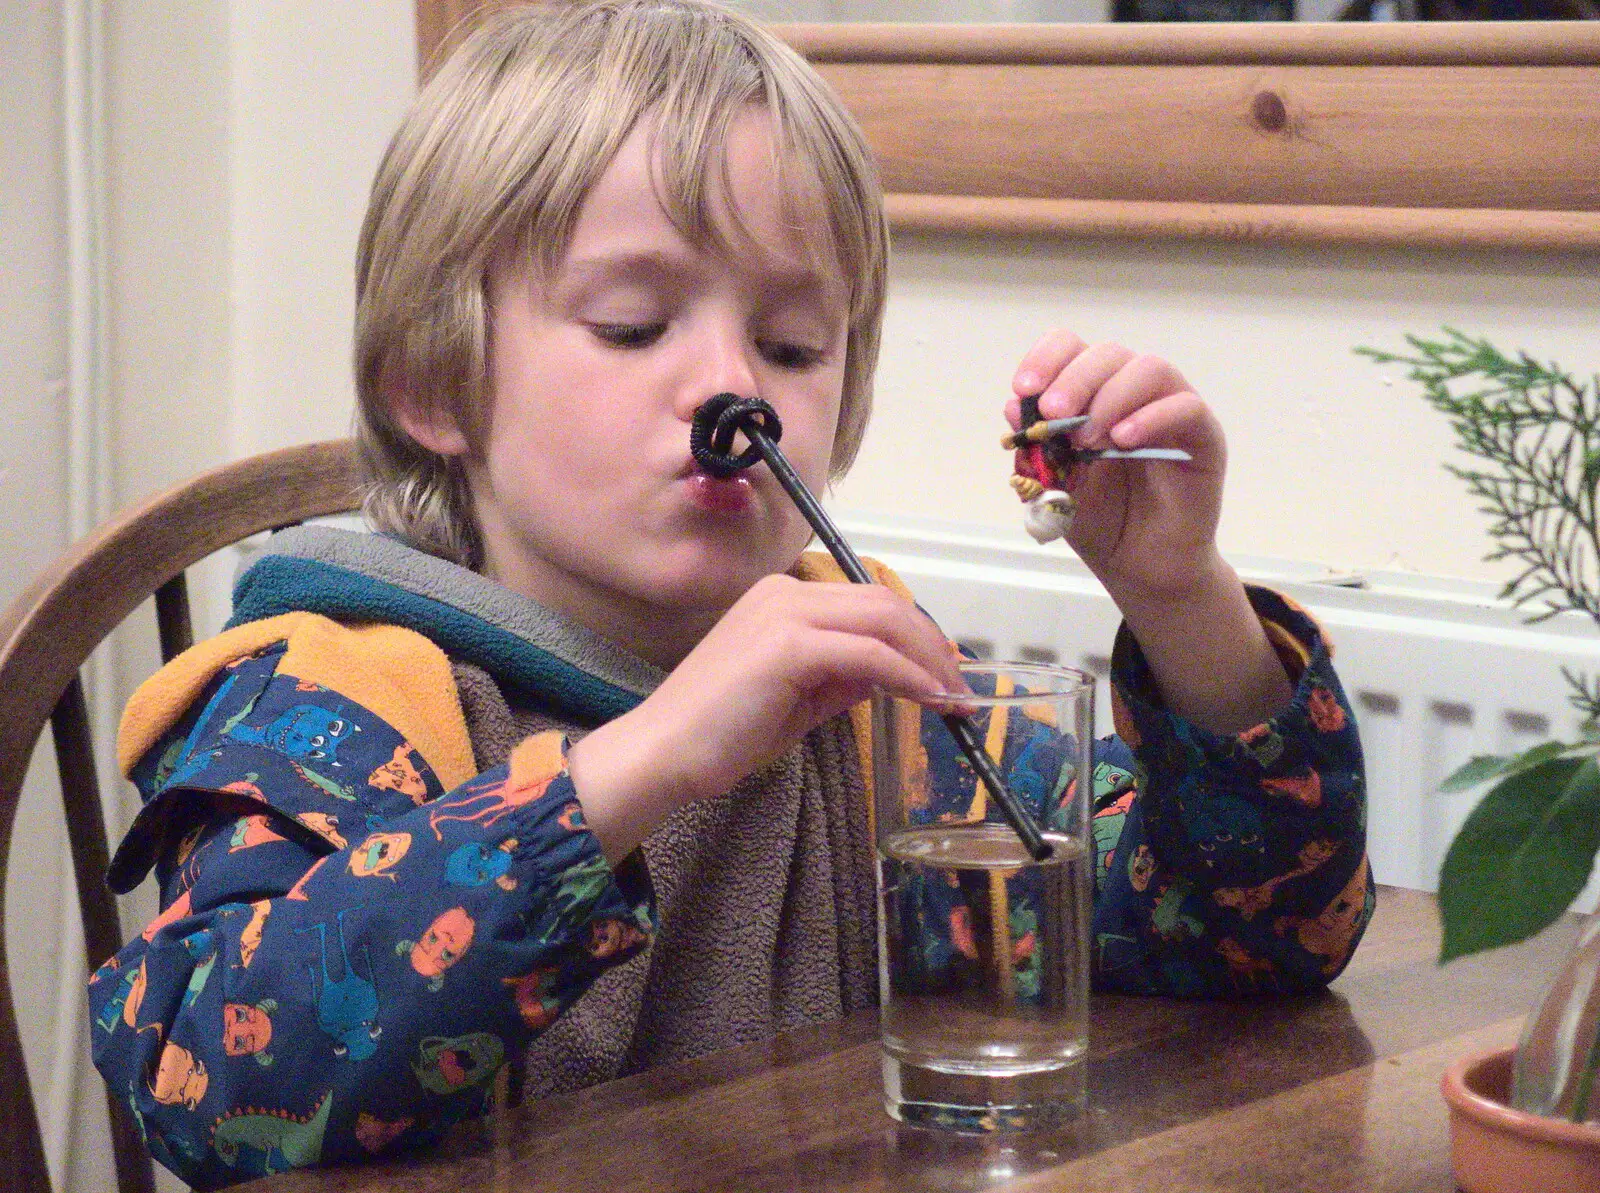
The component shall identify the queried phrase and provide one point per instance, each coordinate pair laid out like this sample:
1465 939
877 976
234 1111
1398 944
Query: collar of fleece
355 577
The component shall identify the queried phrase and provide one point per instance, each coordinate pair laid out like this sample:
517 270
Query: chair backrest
45 638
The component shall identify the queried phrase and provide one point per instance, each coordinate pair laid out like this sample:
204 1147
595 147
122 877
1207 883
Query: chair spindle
173 622
102 934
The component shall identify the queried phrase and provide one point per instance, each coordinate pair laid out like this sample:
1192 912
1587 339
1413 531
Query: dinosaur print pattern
379 854
250 938
400 774
124 1004
305 733
1331 933
490 802
247 1030
1247 972
1249 877
447 1066
250 831
261 1142
201 947
348 951
376 1135
476 863
347 1005
1250 901
441 946
535 997
282 887
180 1079
325 826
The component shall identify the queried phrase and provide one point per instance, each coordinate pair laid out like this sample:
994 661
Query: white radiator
1438 670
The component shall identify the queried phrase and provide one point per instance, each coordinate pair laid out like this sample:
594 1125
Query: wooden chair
46 636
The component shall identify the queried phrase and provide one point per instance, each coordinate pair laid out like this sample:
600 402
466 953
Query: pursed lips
732 495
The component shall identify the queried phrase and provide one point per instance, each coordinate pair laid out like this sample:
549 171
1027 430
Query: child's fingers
780 617
874 614
1049 355
1072 389
786 657
1177 420
1138 382
858 662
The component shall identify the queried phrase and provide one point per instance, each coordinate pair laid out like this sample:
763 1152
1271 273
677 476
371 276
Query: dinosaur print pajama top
359 931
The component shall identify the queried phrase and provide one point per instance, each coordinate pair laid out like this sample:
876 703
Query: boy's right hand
786 657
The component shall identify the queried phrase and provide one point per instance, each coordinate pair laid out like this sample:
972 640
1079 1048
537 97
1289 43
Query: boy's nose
724 366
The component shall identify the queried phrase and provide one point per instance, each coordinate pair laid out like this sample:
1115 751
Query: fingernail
1027 384
1123 432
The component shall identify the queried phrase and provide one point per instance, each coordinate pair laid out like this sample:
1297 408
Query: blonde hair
496 157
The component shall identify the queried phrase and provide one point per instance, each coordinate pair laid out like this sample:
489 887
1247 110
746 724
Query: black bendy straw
711 435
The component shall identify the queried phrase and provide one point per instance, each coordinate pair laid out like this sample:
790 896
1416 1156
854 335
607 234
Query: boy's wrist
1207 650
1186 589
628 779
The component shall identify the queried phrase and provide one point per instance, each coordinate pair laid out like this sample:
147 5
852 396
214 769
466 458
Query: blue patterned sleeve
1236 864
346 954
1224 866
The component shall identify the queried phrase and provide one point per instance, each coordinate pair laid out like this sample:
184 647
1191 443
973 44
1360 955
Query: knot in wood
1269 111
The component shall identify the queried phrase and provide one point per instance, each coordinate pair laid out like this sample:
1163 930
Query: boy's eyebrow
643 263
653 265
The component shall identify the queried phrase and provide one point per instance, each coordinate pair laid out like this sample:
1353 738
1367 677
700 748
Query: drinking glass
983 961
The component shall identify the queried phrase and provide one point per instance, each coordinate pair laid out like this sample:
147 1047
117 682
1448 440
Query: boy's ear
431 427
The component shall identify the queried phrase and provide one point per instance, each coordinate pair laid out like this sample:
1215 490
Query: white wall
1332 459
34 495
317 90
245 134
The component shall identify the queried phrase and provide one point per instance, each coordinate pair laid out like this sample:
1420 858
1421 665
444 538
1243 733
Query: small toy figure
1045 474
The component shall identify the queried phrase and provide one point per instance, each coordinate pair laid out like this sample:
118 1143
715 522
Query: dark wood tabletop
1330 1092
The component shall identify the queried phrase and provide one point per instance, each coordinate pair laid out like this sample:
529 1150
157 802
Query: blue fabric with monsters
348 952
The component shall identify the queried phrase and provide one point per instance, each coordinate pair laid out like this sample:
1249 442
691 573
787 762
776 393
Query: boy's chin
712 584
708 592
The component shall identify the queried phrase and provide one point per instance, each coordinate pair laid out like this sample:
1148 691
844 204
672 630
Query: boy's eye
628 335
791 356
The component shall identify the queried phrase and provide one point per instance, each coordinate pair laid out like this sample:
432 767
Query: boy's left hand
1142 527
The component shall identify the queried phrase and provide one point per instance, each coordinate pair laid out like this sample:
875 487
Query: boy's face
587 496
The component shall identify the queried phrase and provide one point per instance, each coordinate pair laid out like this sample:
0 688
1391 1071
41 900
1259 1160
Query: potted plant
1526 851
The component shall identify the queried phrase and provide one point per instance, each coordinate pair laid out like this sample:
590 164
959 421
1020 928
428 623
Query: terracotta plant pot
1495 1149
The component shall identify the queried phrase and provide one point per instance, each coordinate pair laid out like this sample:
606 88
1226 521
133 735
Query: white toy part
1049 515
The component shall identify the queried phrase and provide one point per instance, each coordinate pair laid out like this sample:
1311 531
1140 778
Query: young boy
556 772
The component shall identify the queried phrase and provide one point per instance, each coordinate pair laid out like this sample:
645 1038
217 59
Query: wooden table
1330 1092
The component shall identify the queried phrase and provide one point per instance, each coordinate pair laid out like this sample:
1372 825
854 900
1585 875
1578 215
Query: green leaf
1540 753
1487 766
1522 856
1482 767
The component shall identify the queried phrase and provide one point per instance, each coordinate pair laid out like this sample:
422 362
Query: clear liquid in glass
983 977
